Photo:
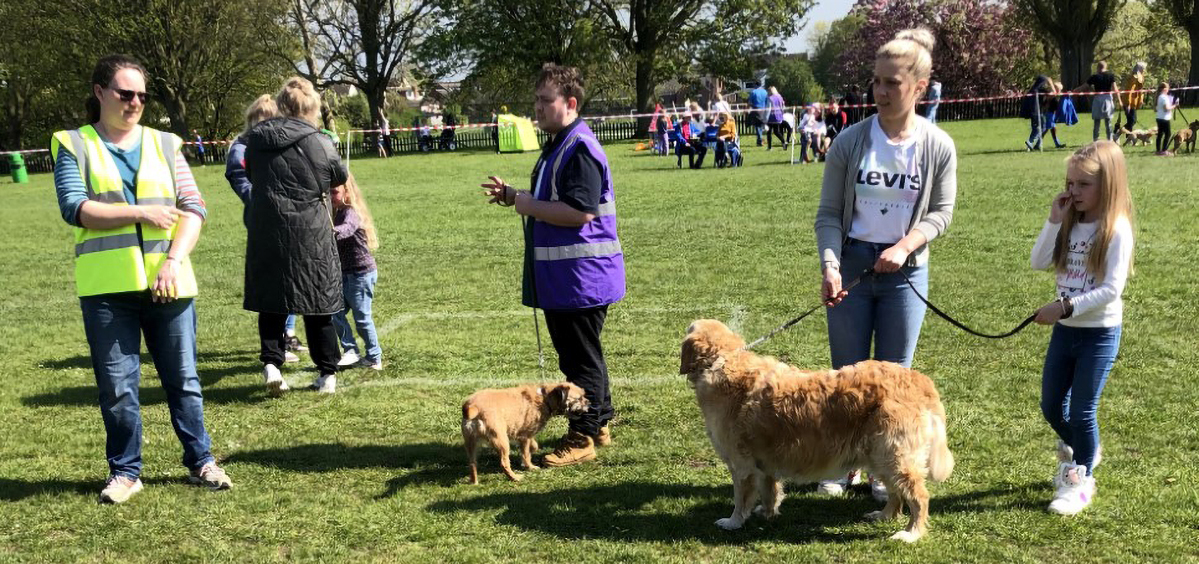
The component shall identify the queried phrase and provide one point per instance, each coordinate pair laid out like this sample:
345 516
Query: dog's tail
471 423
940 459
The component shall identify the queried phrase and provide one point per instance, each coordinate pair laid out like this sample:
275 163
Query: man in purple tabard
574 267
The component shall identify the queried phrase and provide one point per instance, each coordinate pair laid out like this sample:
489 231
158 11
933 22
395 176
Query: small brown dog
1141 136
1186 137
770 422
518 413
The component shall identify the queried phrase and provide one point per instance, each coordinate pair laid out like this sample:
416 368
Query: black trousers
1130 118
576 336
322 340
1163 135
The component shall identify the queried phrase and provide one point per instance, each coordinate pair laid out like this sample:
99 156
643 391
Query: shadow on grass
17 490
426 463
151 394
628 512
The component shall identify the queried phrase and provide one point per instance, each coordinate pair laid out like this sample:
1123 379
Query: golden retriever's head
566 399
706 340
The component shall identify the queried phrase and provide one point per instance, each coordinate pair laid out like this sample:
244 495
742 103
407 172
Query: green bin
16 163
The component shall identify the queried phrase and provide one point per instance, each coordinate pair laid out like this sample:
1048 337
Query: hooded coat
291 254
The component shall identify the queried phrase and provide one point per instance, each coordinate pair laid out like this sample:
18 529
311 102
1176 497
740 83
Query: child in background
356 238
1088 243
1165 114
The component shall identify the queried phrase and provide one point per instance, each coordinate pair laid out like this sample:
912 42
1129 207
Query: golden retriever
770 422
518 413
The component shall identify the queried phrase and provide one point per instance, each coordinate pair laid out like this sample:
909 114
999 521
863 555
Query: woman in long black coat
291 255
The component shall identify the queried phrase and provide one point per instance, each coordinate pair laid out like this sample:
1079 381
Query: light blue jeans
1076 368
114 324
881 310
359 291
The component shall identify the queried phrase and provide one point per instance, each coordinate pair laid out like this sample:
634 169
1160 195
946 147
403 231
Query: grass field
375 473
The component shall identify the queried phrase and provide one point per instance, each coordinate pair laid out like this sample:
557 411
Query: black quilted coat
291 255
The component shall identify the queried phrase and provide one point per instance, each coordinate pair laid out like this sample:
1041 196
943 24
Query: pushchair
424 139
448 140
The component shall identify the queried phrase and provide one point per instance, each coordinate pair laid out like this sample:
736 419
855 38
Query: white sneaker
376 365
878 490
1066 454
325 384
118 489
838 487
1075 489
349 359
275 384
289 356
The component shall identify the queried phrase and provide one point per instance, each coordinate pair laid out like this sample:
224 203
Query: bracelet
170 259
1067 307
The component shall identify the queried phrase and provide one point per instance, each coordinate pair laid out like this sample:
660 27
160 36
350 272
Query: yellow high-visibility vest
108 261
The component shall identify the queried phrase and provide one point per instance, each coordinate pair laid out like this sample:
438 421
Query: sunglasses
127 95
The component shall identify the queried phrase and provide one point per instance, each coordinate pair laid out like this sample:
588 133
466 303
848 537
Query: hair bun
919 35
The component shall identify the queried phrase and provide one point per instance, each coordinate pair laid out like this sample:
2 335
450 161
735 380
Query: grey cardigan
932 213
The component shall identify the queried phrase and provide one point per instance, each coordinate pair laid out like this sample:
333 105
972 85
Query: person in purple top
776 119
574 266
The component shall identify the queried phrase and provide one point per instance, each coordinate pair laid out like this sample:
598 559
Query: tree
980 47
1186 16
655 33
795 82
1076 26
828 42
370 39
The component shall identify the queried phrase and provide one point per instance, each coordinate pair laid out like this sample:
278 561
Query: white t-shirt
721 107
1097 303
1163 102
887 187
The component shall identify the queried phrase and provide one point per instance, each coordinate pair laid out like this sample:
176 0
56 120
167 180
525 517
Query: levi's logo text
897 180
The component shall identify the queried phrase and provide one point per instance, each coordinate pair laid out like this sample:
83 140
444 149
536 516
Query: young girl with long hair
1087 241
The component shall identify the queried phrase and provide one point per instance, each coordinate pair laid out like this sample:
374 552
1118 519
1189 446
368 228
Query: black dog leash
935 309
959 324
788 324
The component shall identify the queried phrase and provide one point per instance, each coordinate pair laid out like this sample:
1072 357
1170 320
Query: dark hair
568 80
107 68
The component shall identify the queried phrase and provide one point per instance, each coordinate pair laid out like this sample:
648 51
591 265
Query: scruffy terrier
515 413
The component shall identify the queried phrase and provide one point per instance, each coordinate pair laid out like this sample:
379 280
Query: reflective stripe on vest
581 250
126 258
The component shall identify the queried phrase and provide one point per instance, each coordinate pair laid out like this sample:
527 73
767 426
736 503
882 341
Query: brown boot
574 448
604 438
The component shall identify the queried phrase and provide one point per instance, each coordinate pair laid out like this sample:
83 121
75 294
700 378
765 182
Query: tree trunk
1077 57
177 114
645 91
1193 78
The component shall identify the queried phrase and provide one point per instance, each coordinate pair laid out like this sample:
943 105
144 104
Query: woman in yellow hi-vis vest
137 215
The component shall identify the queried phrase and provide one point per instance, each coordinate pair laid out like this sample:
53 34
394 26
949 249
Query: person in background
934 100
1165 115
775 120
759 104
1106 95
199 141
137 215
1133 96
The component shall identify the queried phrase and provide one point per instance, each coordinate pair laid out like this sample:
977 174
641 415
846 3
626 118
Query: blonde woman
291 254
1133 95
889 187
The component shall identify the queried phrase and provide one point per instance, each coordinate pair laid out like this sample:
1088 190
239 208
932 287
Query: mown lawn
375 473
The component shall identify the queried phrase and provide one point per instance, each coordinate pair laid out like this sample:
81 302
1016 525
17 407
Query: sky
824 10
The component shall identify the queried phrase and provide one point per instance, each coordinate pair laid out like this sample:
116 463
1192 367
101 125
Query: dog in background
1141 136
1186 137
515 413
771 422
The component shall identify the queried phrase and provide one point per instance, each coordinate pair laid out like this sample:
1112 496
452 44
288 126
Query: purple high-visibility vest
576 267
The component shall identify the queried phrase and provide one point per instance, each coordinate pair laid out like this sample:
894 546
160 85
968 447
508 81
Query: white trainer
325 384
119 489
275 384
349 359
1066 454
376 365
838 487
1075 489
289 356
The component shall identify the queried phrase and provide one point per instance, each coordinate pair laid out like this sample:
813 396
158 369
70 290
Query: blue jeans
881 309
114 324
1076 368
290 324
359 291
932 112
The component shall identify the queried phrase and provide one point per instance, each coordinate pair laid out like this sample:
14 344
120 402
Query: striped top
72 192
